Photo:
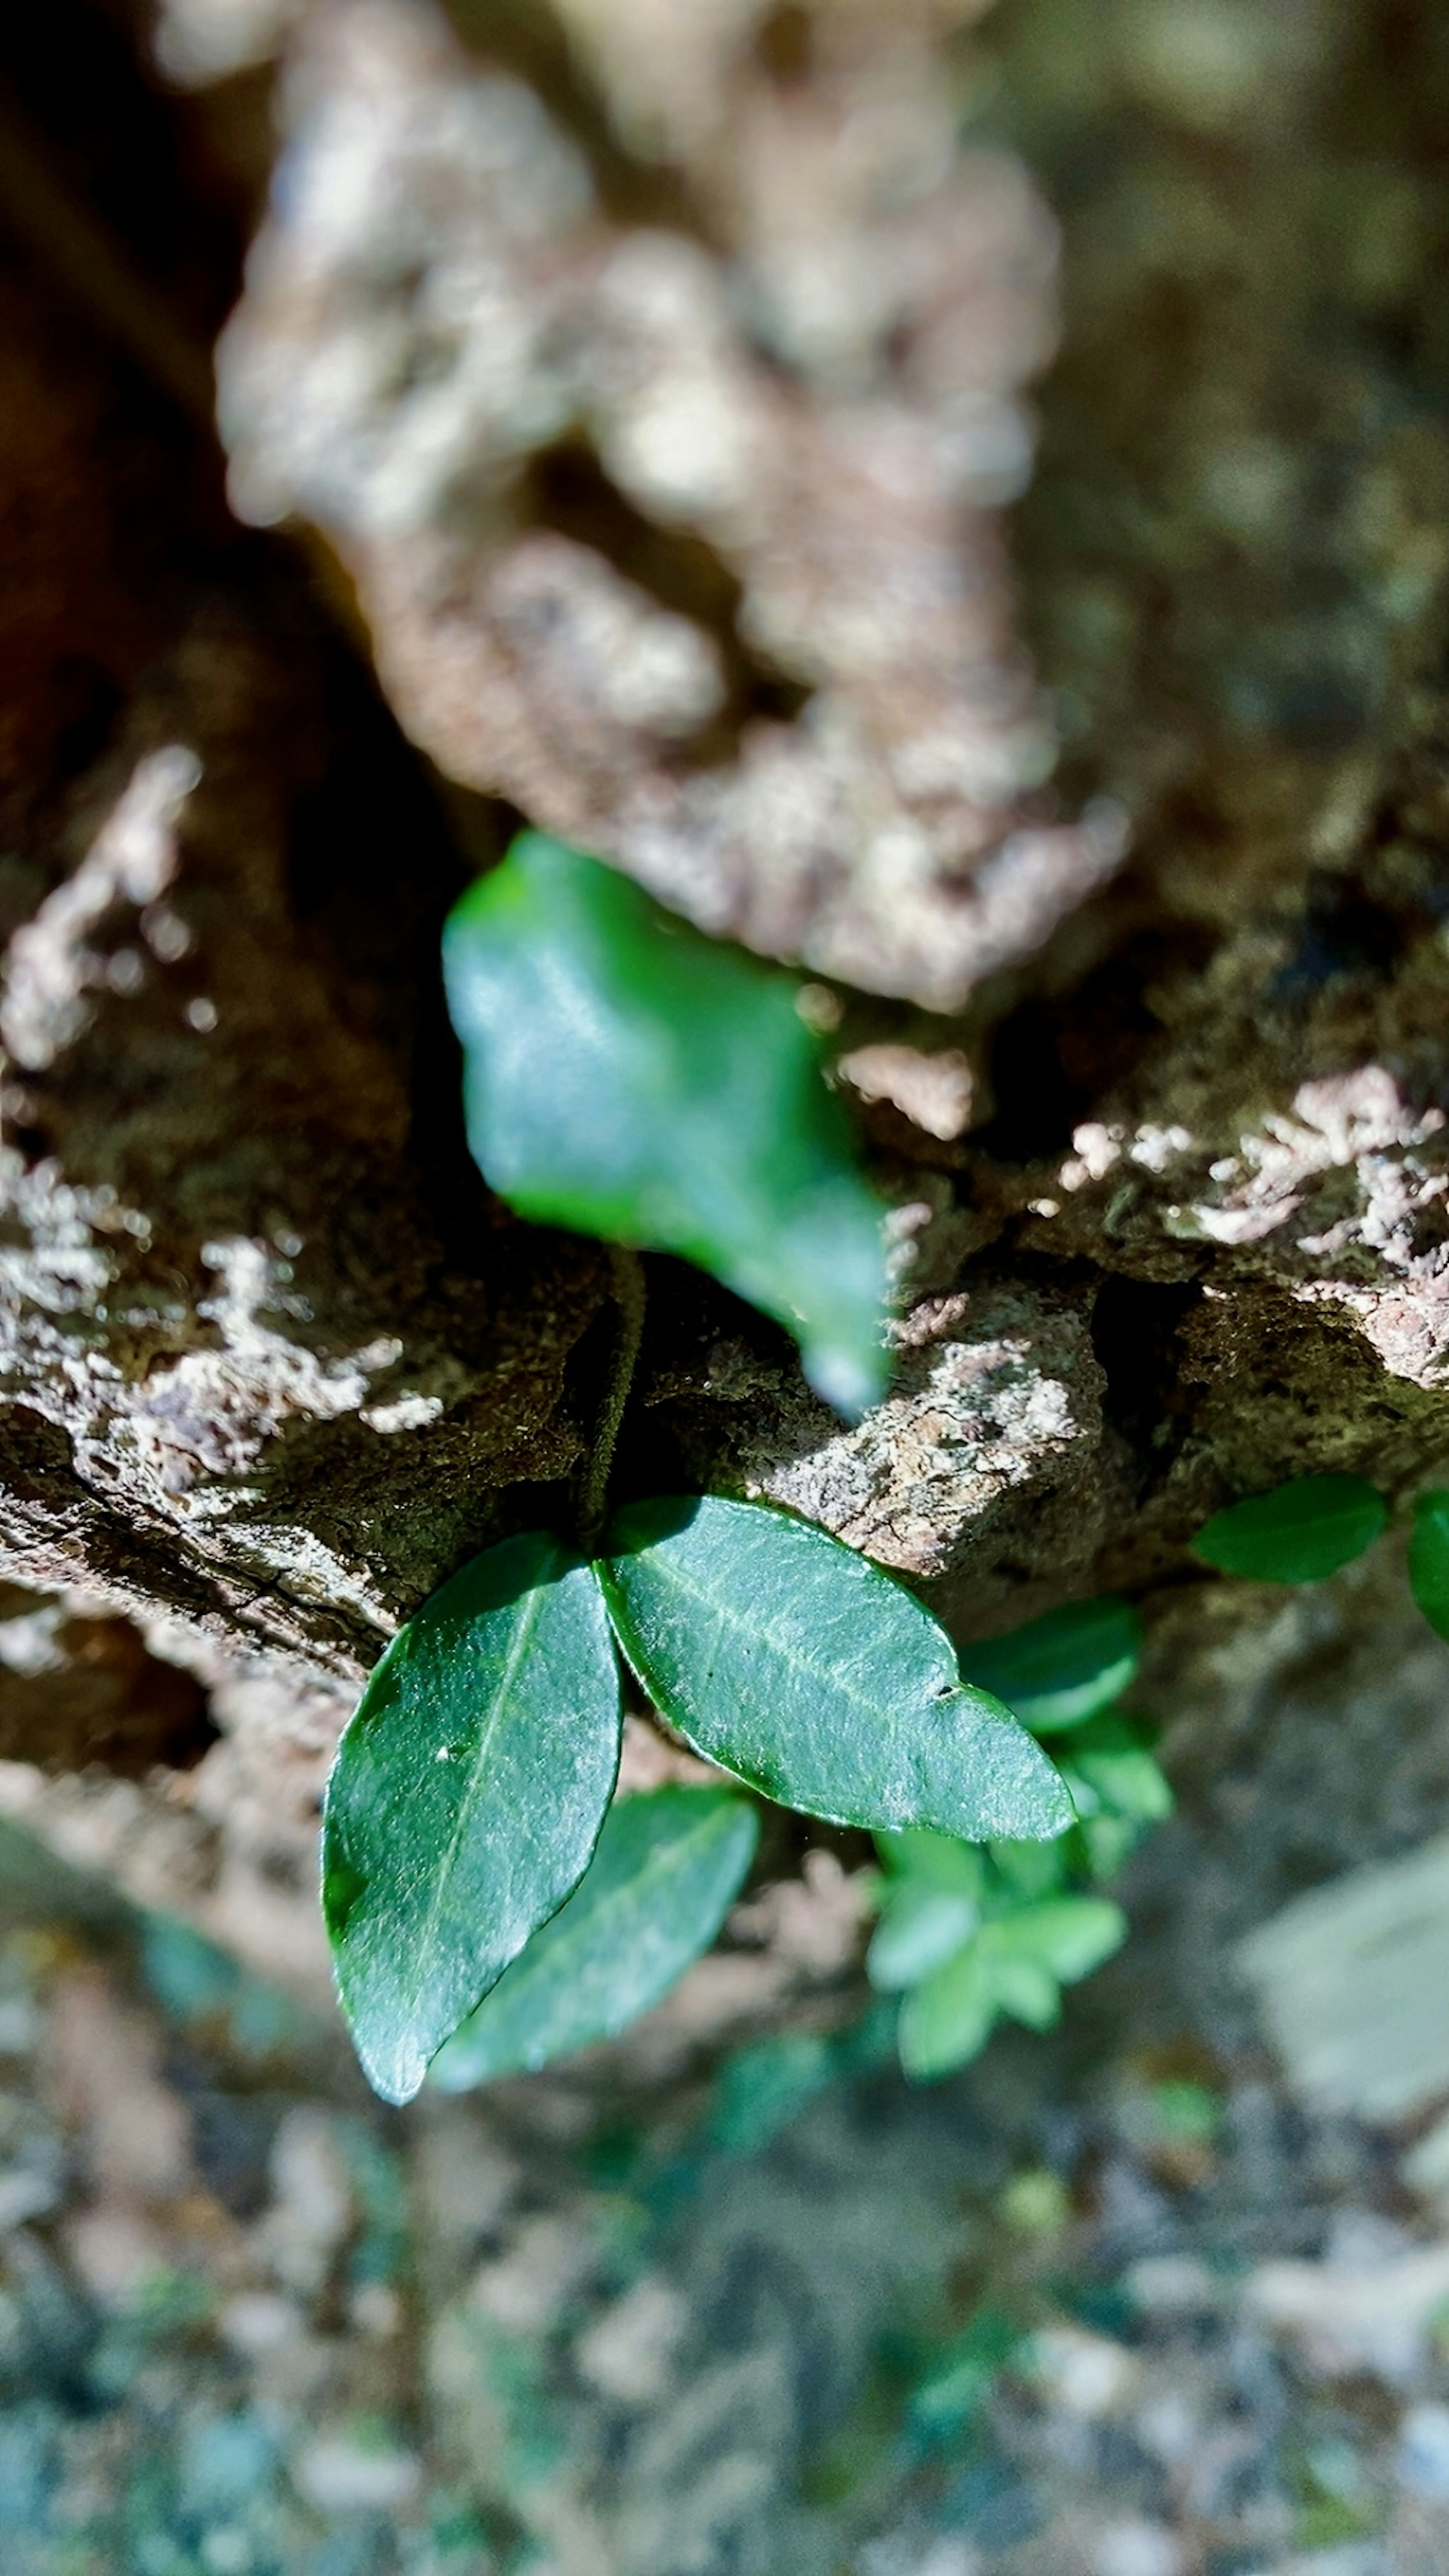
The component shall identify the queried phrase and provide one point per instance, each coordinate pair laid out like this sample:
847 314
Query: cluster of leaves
969 1935
488 1906
472 1784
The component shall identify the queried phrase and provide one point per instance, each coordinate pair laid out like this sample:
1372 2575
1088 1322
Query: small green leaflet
1015 1964
1067 1936
1058 1670
466 1798
1429 1559
947 2019
802 1668
920 1929
627 1077
666 1871
1298 1533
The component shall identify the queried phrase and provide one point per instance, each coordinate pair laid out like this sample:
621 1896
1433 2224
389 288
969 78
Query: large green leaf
630 1078
1298 1533
1060 1669
1429 1559
467 1797
806 1671
655 1894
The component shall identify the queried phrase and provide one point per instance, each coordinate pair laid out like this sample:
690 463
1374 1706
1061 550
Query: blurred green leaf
921 1928
762 2087
632 1079
798 1665
466 1798
667 1867
1298 1533
1429 1559
1022 1987
1031 1869
1110 1770
1108 1841
1069 1936
946 2020
1060 1669
935 1860
945 2400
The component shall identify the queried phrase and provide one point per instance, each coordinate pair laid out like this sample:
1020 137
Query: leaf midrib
727 1617
531 1613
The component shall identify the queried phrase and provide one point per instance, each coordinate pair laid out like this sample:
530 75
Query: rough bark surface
668 449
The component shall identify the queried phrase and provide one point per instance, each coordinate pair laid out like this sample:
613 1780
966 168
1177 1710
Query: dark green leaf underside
1059 1670
467 1797
802 1668
1298 1533
632 1079
667 1868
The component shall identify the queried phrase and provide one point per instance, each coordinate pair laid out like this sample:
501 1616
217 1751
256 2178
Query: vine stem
629 1295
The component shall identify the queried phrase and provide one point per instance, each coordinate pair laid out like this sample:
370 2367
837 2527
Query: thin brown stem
629 1296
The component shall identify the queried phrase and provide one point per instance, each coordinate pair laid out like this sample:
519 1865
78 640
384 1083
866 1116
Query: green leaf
1031 1869
1107 1842
1068 1936
801 1667
1298 1533
1023 1988
946 2020
1062 1668
667 1868
466 1798
935 1860
1429 1559
1119 1781
630 1078
921 1929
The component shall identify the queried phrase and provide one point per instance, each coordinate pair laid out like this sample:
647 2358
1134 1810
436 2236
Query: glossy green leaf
1060 1669
668 1867
946 2020
802 1668
1429 1559
922 1927
1298 1533
466 1798
630 1078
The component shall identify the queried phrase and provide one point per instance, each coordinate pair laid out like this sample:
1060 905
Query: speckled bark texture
656 383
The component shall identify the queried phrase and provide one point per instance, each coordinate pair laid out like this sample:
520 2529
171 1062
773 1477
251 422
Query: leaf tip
848 1376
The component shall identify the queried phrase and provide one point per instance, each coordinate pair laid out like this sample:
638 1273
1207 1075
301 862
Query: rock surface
699 549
